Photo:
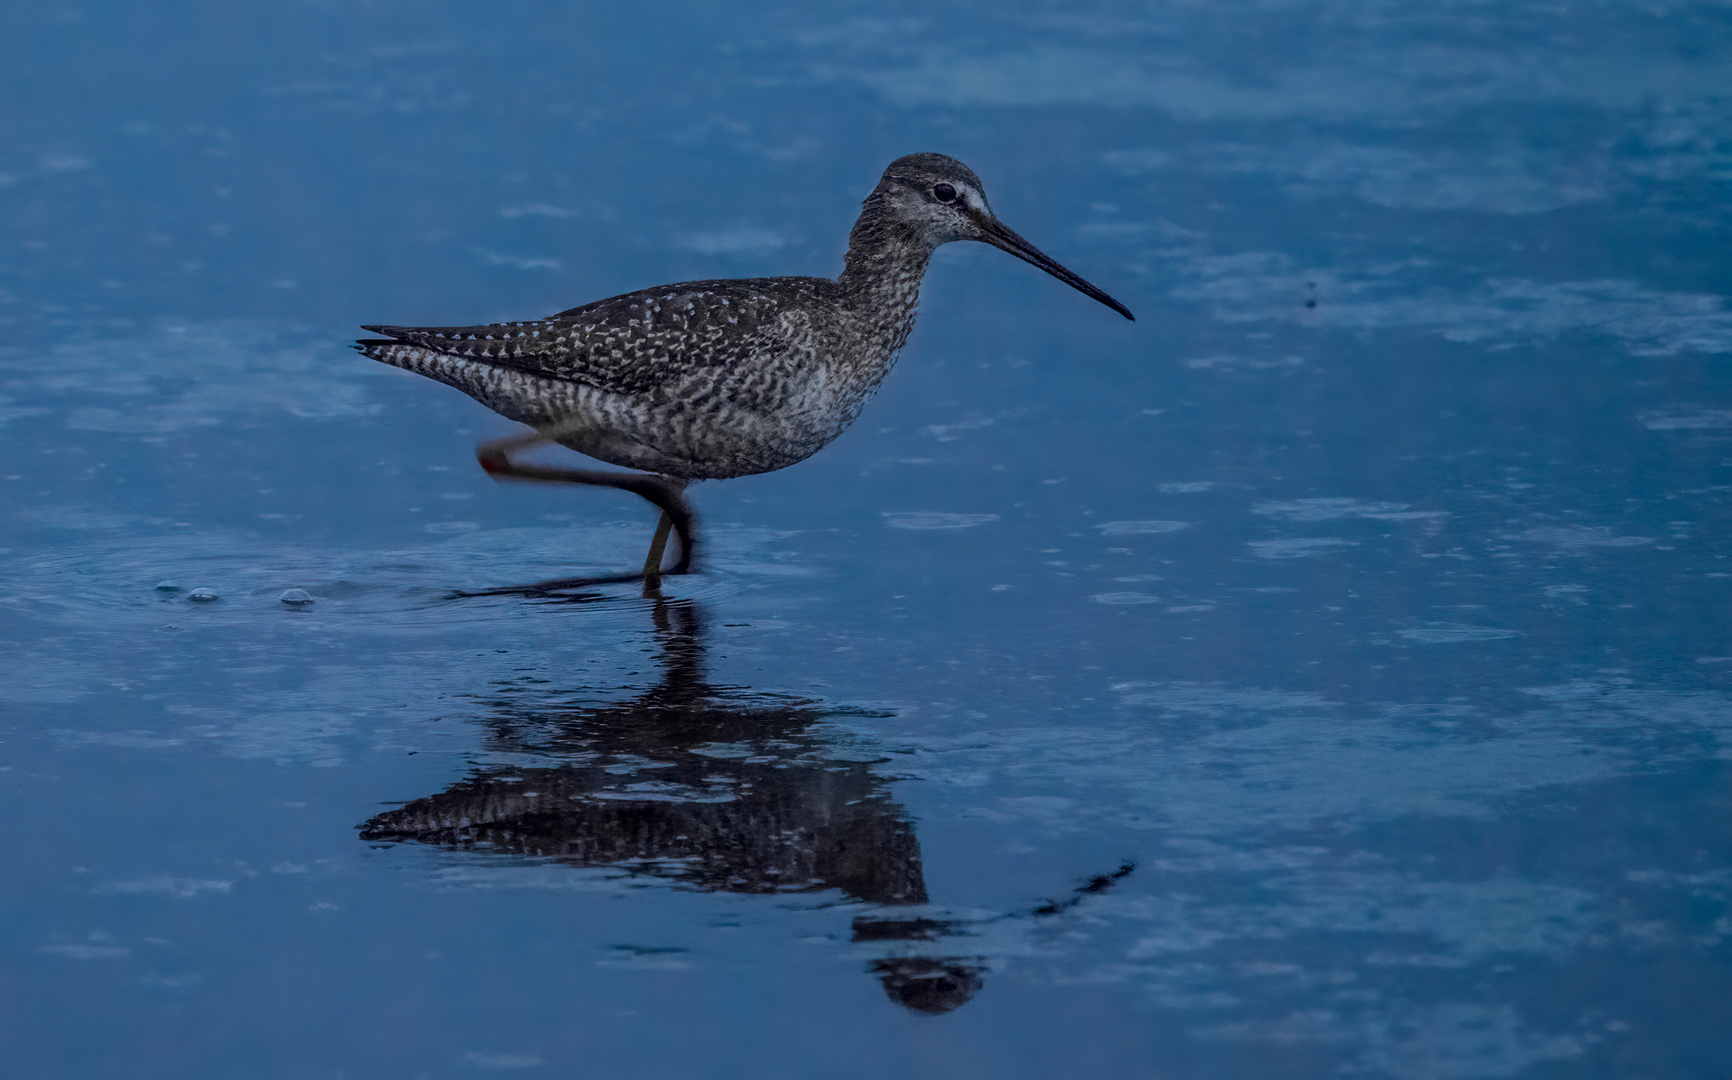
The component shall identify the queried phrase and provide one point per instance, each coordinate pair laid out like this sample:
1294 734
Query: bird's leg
652 564
666 492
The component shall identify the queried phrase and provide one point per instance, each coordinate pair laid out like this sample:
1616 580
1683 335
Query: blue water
1326 674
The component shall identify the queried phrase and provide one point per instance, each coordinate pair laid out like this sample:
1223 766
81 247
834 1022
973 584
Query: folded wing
637 344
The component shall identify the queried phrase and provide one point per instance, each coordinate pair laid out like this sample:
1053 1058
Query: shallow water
1325 674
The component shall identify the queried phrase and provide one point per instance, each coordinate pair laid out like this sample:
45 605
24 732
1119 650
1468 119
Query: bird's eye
944 193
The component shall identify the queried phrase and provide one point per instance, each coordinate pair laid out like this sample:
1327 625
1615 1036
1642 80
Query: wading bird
708 380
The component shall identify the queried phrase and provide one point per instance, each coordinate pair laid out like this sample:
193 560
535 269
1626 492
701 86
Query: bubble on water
739 240
296 597
1216 698
1298 548
167 586
449 528
167 885
1327 509
724 750
86 952
928 519
501 1061
1124 598
1686 419
857 755
1503 311
1448 633
1128 528
202 595
1580 536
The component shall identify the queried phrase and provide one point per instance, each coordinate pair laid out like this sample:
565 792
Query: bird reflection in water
714 788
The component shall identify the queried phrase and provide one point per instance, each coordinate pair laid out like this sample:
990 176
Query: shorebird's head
942 199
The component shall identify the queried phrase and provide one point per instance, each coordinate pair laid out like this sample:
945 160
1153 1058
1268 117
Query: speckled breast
753 419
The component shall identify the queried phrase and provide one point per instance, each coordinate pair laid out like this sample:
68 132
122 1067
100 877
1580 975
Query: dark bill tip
1000 237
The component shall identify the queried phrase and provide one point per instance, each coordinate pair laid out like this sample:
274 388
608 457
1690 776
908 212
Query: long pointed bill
1000 237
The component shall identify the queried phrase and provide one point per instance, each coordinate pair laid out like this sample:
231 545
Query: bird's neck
885 262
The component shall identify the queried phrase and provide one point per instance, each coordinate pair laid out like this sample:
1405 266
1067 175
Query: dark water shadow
715 789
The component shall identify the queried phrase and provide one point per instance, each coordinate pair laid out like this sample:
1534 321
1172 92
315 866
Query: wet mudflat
1325 674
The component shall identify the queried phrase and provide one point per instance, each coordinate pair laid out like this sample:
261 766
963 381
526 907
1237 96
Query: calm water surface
1326 674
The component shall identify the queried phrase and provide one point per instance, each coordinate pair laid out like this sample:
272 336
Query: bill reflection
716 789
